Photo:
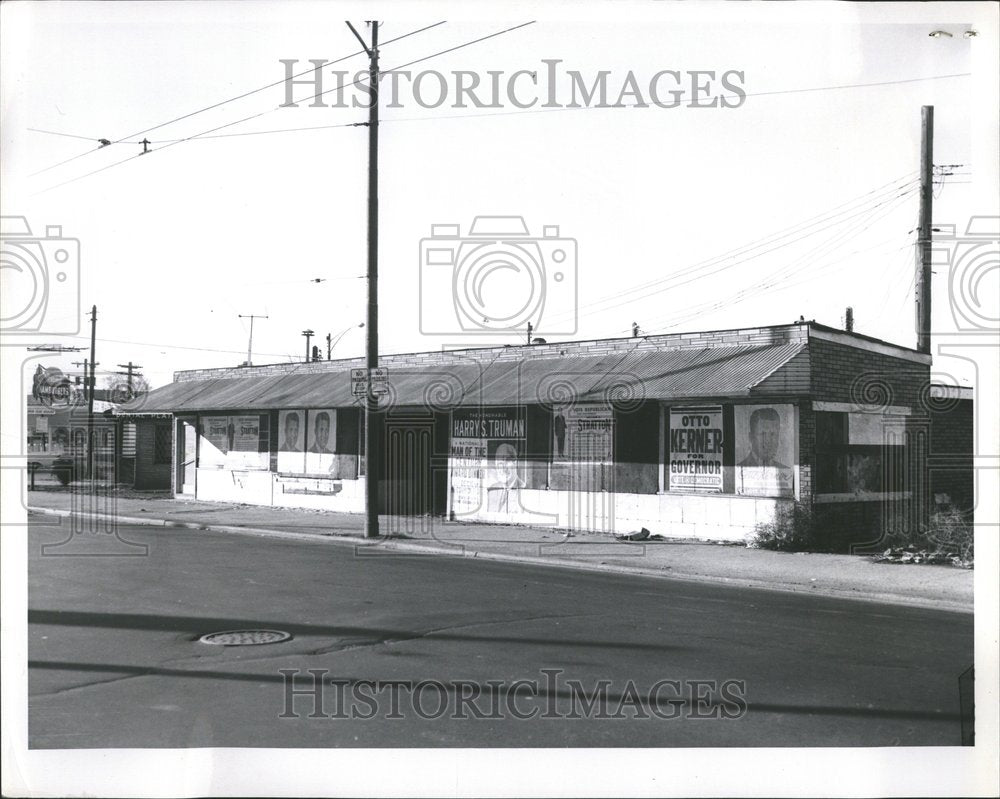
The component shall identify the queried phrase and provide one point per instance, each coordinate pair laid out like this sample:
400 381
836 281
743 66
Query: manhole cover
245 637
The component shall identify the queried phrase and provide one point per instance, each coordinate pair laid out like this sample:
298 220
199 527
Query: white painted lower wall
672 515
256 487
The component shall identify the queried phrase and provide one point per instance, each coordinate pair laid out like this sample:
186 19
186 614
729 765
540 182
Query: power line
671 281
124 139
68 135
340 87
139 155
784 272
780 276
616 106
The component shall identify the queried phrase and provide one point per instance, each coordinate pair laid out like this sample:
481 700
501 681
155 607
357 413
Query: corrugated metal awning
621 377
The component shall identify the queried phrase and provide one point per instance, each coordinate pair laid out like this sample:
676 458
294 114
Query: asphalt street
408 650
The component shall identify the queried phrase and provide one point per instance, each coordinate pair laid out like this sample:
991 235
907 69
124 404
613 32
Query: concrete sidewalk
845 576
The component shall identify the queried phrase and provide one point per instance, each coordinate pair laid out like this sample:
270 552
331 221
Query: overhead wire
242 96
785 274
724 262
866 199
339 87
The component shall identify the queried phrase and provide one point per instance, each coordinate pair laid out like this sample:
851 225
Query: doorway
187 456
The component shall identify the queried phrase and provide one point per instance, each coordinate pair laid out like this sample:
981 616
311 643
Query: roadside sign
380 381
359 382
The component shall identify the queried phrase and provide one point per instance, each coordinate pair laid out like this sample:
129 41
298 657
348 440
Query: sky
800 201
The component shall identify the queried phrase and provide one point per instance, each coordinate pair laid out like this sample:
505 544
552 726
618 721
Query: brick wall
841 373
149 475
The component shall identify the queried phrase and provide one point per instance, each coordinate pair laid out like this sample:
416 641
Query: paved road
114 660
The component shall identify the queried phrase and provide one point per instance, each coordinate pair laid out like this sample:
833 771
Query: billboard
695 445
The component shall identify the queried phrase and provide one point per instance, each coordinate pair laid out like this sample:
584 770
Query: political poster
321 441
583 434
214 441
291 441
244 434
487 460
765 450
696 449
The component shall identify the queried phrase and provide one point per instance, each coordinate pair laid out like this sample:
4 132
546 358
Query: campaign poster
765 450
214 441
695 447
583 434
244 443
321 441
487 460
291 441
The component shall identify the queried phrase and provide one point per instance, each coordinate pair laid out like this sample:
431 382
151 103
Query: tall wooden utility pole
925 236
132 370
372 416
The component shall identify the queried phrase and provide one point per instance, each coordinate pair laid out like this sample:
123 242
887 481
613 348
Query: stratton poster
583 434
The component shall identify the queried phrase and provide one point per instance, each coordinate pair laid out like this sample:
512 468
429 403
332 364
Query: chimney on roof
849 319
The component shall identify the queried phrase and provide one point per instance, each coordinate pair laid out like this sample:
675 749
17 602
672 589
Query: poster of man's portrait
321 441
765 450
503 491
291 439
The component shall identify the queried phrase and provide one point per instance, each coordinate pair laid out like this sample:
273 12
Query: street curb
561 563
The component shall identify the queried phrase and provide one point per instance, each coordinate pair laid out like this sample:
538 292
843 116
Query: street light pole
372 415
332 342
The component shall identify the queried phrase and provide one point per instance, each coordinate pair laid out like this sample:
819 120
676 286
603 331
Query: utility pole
85 363
132 369
308 334
925 235
251 317
372 416
90 393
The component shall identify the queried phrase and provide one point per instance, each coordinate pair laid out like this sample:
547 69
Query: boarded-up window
859 453
637 450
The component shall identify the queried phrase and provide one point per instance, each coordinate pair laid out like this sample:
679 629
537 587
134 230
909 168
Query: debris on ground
642 535
922 556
